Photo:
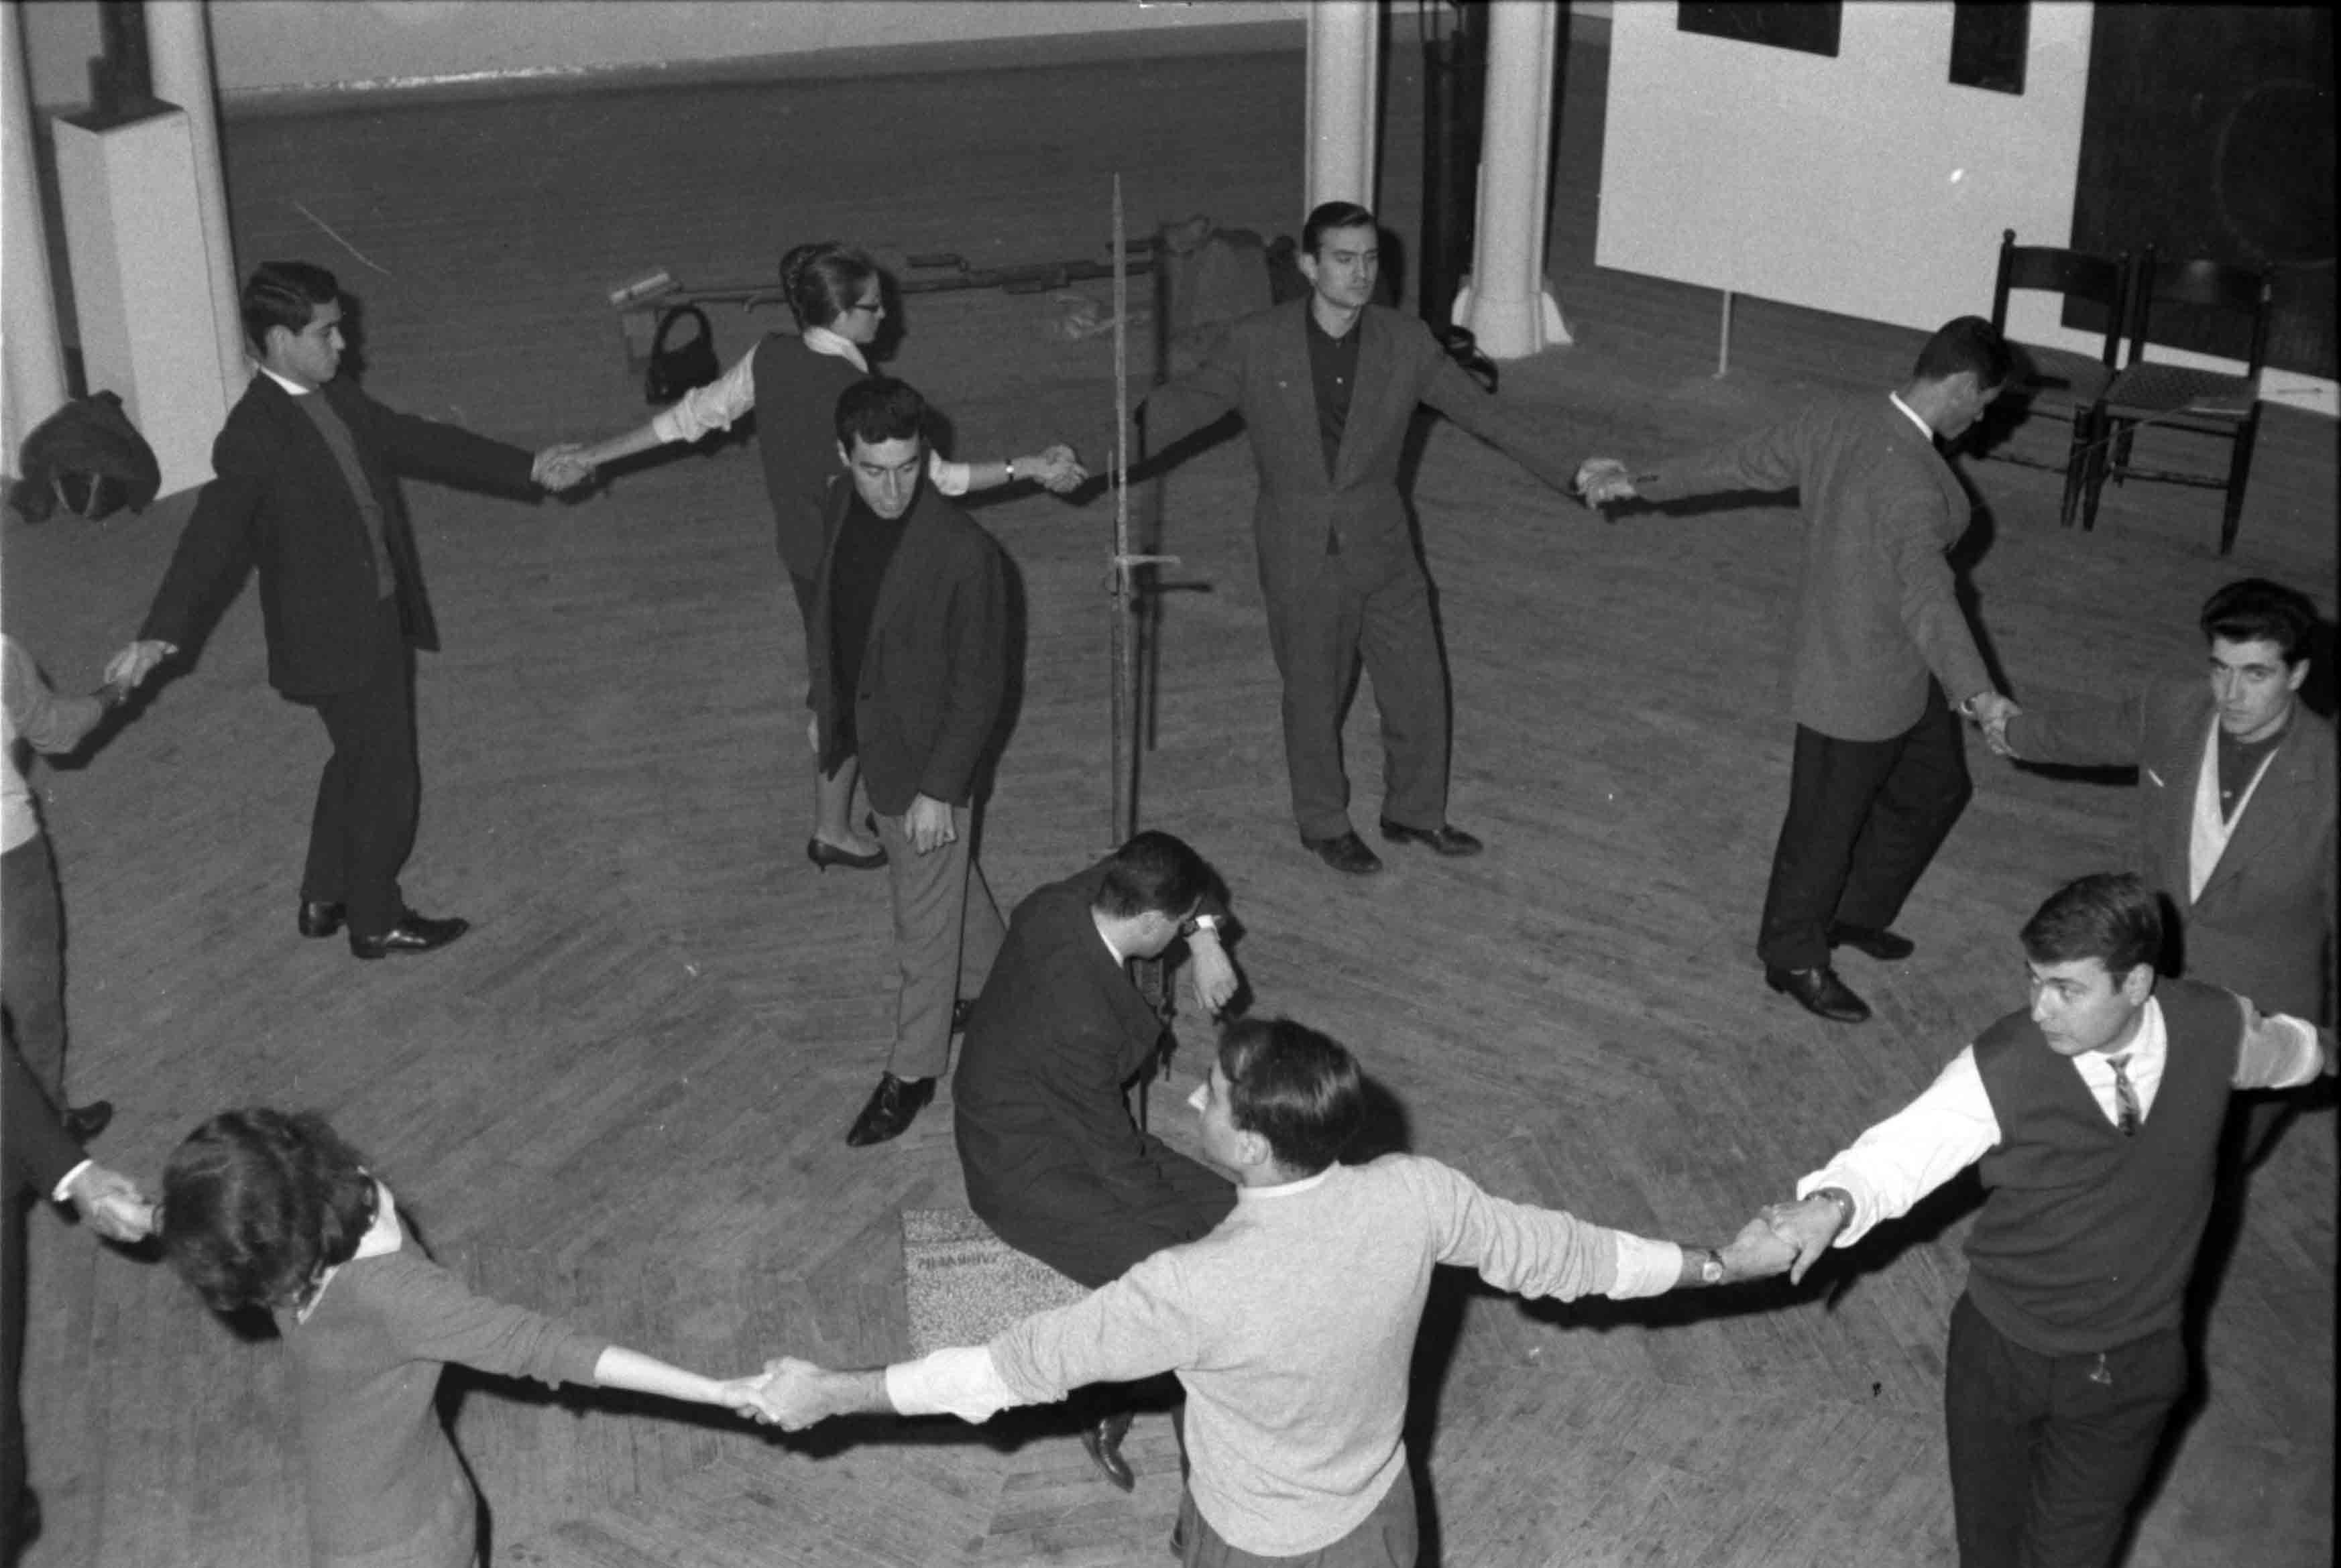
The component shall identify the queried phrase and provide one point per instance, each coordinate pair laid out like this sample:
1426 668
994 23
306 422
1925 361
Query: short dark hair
1969 343
2258 610
879 409
1153 874
1326 216
283 294
257 1205
821 281
1298 1089
2113 916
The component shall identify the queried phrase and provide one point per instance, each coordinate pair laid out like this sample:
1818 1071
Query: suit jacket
38 1151
1876 611
934 672
279 500
1057 1031
1259 368
2264 927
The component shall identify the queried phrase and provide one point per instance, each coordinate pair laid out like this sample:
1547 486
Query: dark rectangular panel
1798 25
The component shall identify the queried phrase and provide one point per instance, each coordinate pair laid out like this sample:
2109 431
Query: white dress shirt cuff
1645 1267
64 1193
960 1381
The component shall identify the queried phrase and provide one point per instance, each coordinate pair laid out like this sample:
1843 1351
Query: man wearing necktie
305 493
2093 1117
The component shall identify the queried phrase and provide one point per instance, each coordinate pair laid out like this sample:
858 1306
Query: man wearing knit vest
2093 1118
1881 655
1293 1324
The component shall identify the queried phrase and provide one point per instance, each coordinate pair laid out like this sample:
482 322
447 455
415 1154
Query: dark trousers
1318 631
364 825
2047 1452
1070 1222
1864 817
32 960
15 1508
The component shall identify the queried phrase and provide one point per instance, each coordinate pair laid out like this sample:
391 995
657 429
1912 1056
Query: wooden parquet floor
623 1097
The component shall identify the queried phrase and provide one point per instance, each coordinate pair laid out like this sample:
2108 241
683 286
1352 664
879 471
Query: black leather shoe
319 919
1819 992
84 1122
414 934
825 854
891 1106
1444 839
960 1009
1101 1440
1887 946
1347 852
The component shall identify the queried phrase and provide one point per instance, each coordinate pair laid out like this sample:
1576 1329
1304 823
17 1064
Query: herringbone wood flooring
623 1097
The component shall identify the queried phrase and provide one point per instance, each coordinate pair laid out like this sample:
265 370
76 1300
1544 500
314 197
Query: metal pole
1125 806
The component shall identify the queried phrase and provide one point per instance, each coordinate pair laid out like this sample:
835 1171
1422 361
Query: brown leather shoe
1821 993
1101 1440
891 1106
1345 852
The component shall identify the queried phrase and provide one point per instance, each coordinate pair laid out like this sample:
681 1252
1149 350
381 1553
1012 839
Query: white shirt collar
2141 1057
822 341
383 1238
1283 1189
296 388
1911 414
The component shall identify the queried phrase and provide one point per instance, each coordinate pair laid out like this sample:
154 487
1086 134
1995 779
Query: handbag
675 369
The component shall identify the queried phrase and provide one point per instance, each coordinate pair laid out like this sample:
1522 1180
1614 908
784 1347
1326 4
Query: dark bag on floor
675 370
88 457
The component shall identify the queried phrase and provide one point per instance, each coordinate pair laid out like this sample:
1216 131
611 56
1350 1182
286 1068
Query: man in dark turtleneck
909 657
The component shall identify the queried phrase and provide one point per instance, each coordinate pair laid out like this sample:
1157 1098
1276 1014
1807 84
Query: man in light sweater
2093 1118
1291 1324
1882 657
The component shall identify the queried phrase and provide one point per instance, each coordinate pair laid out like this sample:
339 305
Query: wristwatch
1201 923
1844 1201
1710 1266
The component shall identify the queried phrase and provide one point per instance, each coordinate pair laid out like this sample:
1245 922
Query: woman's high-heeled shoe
823 854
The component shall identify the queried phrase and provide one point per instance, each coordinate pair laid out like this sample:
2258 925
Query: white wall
1865 184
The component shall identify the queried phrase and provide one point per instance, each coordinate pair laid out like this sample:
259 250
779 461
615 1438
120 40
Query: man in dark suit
38 1157
909 662
1882 654
1053 1162
305 488
2235 822
1327 387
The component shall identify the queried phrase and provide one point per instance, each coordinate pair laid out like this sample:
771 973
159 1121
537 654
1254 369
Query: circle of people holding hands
1278 1281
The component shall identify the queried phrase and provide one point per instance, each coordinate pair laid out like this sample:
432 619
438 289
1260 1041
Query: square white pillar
141 281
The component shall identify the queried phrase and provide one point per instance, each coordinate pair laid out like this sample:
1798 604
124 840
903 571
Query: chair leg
2093 481
2077 466
2239 469
2116 465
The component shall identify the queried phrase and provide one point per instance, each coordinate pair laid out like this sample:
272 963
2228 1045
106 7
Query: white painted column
1505 301
178 41
31 343
1344 65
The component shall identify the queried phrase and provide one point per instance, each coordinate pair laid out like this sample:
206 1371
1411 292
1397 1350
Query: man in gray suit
1882 650
1327 386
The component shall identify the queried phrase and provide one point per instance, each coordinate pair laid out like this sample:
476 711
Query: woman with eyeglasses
838 296
264 1210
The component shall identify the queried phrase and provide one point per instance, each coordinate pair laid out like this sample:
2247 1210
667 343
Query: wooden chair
2201 402
2058 382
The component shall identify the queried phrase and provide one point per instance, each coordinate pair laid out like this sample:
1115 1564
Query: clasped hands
561 466
1784 1238
1603 480
789 1394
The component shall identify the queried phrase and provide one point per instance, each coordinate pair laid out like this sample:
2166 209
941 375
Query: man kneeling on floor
1293 1324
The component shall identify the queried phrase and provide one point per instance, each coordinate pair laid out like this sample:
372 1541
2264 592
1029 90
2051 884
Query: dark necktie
2124 1096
